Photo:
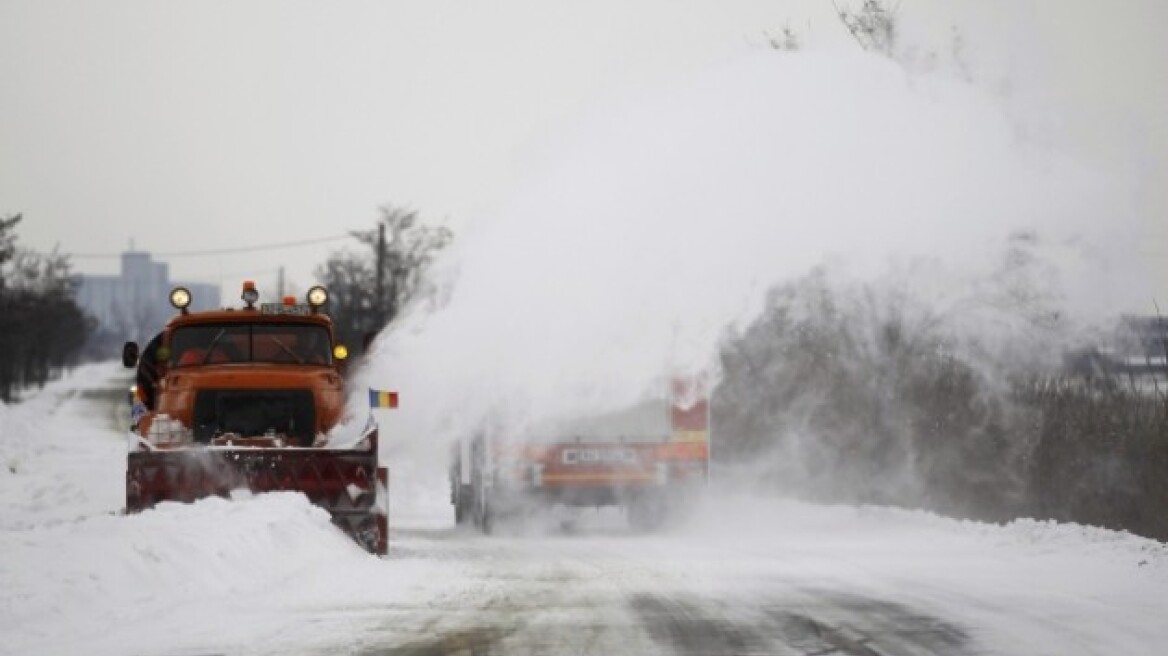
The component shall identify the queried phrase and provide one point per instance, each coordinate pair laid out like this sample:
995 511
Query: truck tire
463 505
488 519
480 510
648 512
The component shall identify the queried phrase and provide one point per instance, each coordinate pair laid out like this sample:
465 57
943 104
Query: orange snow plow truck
244 399
651 460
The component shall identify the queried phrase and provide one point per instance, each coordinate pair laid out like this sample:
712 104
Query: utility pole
280 285
379 312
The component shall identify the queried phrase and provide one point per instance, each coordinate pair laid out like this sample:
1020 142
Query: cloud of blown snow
657 223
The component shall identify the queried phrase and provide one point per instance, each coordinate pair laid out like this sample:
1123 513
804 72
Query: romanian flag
382 399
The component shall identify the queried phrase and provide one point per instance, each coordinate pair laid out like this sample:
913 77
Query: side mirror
130 355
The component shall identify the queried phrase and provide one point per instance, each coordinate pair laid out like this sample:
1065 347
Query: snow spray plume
661 222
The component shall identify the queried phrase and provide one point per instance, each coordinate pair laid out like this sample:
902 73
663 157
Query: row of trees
43 329
851 392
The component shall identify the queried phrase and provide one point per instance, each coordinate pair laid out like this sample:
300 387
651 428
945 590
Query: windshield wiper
299 360
211 346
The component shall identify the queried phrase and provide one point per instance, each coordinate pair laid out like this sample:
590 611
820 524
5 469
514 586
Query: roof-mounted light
250 295
180 298
317 297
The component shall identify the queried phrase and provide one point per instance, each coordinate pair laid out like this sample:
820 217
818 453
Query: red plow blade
345 482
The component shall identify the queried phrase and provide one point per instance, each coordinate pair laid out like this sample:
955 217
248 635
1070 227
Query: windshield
227 343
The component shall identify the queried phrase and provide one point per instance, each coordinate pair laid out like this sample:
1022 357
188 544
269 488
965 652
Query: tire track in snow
551 596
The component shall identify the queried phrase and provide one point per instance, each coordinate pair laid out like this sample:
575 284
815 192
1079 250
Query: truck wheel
480 512
463 505
488 522
648 512
476 512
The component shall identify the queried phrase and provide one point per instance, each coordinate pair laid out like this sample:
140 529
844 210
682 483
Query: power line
224 251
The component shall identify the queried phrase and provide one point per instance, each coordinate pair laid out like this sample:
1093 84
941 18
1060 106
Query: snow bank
61 457
213 574
78 576
167 558
763 521
1023 588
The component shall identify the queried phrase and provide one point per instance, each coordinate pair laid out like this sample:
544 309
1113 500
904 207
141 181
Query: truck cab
265 370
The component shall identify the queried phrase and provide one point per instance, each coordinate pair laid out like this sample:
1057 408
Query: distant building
135 304
1136 352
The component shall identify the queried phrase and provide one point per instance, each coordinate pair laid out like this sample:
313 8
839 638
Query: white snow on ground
627 257
1026 588
269 574
79 577
57 447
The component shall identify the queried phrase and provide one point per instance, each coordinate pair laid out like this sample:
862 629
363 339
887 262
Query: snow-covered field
269 575
249 575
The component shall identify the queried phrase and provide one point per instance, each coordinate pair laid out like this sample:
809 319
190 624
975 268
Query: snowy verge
62 455
216 572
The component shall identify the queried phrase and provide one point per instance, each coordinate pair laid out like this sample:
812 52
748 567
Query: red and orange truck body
246 399
653 476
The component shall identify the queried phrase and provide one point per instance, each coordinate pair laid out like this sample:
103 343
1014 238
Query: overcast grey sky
212 124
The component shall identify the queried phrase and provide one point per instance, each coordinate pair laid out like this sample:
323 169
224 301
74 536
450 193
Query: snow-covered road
795 579
269 575
613 594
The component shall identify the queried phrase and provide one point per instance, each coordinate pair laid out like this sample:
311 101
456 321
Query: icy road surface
269 575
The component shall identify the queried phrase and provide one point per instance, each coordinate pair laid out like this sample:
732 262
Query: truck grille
251 413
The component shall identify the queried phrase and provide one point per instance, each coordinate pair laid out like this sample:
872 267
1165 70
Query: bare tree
7 243
369 289
873 25
786 40
350 279
403 248
43 327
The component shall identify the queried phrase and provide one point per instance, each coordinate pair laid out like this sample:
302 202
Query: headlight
340 352
317 296
180 297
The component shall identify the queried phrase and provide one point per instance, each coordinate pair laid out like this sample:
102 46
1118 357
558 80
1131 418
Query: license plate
589 456
280 308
